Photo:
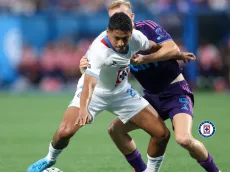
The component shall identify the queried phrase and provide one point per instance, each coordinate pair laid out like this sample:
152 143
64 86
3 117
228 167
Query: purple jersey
155 77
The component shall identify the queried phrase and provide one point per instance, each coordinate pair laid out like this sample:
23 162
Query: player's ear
132 17
108 31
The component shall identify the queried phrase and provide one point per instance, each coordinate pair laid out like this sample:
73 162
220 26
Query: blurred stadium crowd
56 64
85 6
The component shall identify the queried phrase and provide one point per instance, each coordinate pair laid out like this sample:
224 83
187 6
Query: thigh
176 99
118 126
70 116
126 104
155 102
182 124
96 105
75 102
148 120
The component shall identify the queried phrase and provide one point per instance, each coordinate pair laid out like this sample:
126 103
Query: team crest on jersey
161 33
207 129
122 74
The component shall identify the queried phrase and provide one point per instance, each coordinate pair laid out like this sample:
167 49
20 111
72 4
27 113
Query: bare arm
87 92
165 51
86 95
161 52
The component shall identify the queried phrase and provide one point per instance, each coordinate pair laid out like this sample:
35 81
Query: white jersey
109 66
113 92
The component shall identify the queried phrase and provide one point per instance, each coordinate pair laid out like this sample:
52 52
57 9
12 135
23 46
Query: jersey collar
109 45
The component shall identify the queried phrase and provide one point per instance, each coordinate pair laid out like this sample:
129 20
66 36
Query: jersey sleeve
157 33
139 41
96 61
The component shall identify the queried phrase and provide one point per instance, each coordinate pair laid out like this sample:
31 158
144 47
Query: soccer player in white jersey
104 86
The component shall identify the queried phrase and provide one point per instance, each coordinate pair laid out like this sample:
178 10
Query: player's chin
121 50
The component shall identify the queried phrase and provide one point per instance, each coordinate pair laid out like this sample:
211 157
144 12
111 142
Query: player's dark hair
120 21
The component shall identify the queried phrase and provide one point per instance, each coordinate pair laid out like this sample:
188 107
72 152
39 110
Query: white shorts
125 103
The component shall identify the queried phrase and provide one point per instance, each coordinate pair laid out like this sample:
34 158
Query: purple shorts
177 98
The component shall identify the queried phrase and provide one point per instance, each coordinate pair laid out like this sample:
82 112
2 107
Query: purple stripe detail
147 21
152 23
190 104
139 25
140 22
151 26
187 88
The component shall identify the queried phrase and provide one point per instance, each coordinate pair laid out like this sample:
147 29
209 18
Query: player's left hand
186 57
83 117
137 59
83 64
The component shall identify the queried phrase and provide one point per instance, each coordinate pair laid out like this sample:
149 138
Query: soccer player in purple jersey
166 90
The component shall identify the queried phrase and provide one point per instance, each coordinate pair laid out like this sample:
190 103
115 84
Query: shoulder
97 46
97 52
136 34
153 31
146 24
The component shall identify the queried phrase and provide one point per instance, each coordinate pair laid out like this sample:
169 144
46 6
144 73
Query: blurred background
42 41
41 44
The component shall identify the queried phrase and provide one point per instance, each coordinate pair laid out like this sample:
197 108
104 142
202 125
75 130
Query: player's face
119 39
123 9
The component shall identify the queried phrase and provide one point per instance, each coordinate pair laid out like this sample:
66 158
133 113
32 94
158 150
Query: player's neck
111 46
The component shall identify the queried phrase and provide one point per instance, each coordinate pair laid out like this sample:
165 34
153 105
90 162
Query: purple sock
136 161
209 165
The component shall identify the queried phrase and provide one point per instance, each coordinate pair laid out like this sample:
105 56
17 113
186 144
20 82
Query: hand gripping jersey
155 77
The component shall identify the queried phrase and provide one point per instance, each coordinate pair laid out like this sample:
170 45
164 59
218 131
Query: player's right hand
187 57
83 64
83 117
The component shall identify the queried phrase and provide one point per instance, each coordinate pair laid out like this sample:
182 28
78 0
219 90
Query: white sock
154 164
53 153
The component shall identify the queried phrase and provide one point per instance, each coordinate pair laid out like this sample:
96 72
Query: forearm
87 92
164 53
85 98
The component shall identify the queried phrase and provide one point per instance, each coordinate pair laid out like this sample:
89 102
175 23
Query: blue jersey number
142 66
131 92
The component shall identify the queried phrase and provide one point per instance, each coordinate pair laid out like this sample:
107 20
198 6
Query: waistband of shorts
178 84
114 91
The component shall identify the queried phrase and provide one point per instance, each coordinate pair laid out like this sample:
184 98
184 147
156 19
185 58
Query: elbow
176 50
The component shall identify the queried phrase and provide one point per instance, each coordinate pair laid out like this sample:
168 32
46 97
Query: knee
162 137
184 140
112 130
65 131
165 136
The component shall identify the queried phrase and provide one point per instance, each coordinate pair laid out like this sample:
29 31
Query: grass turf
29 121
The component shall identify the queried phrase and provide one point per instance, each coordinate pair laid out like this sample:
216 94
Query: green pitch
28 122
